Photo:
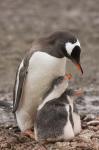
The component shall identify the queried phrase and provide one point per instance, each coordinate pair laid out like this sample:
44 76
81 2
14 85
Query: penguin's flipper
20 79
19 83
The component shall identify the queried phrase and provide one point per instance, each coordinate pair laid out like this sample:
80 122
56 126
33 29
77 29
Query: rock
93 122
63 144
5 145
86 134
89 117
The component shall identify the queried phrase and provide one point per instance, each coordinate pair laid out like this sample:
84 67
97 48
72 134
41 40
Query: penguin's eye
70 46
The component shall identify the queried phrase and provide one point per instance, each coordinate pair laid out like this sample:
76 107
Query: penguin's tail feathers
6 105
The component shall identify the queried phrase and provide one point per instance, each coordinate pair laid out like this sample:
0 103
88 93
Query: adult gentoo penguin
45 61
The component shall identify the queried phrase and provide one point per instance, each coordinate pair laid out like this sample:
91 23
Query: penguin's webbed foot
29 133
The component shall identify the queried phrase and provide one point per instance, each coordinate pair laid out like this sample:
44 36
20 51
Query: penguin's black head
72 51
66 44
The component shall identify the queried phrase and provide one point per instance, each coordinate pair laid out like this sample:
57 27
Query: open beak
79 67
68 77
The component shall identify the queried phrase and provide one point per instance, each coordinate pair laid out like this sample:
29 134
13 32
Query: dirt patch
88 139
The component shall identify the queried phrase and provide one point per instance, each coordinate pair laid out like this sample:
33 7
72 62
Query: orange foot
29 133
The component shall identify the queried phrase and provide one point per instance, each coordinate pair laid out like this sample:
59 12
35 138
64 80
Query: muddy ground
20 22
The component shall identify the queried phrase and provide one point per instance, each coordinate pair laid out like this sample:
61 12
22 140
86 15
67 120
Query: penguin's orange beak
79 67
76 61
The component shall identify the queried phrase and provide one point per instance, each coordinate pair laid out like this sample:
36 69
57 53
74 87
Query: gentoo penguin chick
56 119
44 62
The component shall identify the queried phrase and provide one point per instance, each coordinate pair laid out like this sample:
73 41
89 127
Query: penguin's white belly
68 130
42 69
77 123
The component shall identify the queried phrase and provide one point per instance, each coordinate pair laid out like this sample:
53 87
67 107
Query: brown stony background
23 20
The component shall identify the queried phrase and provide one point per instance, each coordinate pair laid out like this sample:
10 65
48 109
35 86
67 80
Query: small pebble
89 117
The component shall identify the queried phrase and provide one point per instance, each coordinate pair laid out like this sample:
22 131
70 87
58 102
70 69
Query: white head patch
70 46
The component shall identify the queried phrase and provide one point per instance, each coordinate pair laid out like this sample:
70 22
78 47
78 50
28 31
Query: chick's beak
68 77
